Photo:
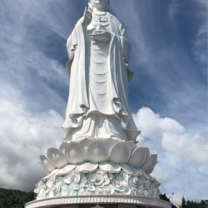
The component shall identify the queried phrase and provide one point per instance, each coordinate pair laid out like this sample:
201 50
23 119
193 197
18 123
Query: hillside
14 198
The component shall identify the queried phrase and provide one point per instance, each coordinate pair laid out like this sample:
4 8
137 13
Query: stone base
91 201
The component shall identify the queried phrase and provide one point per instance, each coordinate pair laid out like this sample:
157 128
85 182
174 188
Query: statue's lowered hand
87 17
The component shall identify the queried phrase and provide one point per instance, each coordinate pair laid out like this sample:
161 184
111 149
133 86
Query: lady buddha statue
99 51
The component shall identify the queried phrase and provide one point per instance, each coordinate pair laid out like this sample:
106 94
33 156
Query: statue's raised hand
87 17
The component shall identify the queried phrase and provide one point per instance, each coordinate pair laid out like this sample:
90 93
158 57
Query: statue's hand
86 19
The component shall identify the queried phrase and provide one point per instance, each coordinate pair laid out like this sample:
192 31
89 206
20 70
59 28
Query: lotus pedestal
99 201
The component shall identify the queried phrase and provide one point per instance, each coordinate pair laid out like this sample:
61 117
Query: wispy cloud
200 43
182 157
168 58
24 136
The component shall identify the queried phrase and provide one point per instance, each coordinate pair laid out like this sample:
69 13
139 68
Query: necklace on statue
99 13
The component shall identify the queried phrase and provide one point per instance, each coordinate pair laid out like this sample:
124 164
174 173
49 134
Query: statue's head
99 4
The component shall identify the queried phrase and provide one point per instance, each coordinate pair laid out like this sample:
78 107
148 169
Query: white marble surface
127 180
97 199
99 50
86 156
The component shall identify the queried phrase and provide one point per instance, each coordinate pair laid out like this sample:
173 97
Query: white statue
99 51
98 108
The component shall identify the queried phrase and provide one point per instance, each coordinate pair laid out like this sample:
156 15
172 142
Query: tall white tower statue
99 162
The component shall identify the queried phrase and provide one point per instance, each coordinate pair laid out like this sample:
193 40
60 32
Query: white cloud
182 157
161 174
173 9
172 136
23 137
193 148
199 48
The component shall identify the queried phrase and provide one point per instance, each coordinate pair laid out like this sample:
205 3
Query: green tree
164 197
14 198
183 204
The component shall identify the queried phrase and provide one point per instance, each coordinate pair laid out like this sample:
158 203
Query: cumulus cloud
172 136
161 174
182 156
24 136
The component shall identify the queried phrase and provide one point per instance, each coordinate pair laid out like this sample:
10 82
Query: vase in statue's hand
87 17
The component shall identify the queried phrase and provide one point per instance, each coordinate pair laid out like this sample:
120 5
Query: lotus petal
110 167
46 163
75 153
86 167
63 146
150 163
98 151
120 153
50 175
57 157
65 170
146 175
139 156
111 143
149 172
85 144
130 170
44 169
132 145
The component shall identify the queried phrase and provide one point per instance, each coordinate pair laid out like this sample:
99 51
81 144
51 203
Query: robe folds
78 107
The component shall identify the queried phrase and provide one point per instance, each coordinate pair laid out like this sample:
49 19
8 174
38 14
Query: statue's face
99 4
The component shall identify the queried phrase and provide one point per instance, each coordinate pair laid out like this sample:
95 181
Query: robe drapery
78 112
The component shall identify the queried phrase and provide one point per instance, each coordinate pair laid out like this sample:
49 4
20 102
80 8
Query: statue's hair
108 7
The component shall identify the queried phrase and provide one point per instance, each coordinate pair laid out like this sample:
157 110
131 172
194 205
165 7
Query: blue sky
167 96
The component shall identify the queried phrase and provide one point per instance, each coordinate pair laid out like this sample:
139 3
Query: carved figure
99 50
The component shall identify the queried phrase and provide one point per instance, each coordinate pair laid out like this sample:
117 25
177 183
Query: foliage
183 204
14 198
187 204
164 197
192 204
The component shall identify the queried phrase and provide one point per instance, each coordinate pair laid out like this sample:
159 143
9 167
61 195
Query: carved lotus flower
91 187
119 184
99 178
97 182
98 190
108 189
108 155
56 189
73 177
135 182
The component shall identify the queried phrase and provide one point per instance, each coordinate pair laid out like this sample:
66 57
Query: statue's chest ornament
103 20
102 29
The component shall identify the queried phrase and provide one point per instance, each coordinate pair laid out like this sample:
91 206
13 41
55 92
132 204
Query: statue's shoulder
115 20
117 26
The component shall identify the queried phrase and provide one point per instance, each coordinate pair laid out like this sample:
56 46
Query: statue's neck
99 13
101 10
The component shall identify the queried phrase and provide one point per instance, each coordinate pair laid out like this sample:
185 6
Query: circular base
98 199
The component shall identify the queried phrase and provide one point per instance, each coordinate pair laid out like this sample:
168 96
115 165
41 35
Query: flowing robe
115 121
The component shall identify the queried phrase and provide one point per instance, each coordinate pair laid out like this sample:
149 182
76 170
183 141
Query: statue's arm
71 47
126 50
126 45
